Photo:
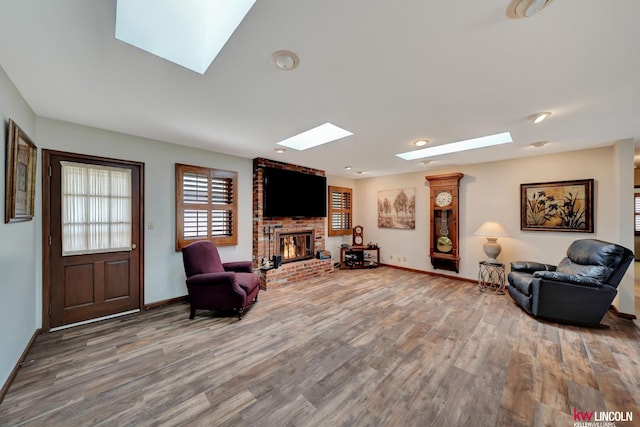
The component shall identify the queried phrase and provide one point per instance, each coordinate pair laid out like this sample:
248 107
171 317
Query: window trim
181 206
348 211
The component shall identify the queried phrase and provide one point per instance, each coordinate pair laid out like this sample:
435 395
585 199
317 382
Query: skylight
454 147
188 33
317 136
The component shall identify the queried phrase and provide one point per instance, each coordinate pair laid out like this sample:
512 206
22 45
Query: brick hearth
263 246
294 272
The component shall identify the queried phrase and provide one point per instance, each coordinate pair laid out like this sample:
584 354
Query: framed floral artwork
557 206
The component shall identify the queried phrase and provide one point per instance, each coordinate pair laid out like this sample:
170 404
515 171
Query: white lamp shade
491 229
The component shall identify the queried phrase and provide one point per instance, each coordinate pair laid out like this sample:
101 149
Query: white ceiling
391 72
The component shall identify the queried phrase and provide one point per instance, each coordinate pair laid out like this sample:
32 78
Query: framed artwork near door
22 156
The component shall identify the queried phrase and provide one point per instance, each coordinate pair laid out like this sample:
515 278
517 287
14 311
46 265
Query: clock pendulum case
444 219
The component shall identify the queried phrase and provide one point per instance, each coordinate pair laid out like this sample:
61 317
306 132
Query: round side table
491 277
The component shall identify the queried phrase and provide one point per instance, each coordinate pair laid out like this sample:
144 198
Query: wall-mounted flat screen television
289 193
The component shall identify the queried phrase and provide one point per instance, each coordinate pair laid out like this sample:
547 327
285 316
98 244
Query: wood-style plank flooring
381 347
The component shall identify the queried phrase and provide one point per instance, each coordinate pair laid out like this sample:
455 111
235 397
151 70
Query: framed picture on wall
20 175
557 206
397 208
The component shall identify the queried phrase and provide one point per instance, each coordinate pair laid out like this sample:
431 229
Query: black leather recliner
579 290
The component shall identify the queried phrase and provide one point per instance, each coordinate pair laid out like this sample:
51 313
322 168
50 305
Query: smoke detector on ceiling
526 8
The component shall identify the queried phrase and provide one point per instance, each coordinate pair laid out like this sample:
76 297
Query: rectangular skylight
317 136
189 33
469 144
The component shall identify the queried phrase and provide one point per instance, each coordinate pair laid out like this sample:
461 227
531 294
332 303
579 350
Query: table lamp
491 230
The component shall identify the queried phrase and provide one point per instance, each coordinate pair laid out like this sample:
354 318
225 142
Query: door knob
133 246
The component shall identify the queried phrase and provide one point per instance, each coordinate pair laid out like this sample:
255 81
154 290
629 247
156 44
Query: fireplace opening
294 245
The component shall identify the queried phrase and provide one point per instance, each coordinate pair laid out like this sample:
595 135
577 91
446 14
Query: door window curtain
96 209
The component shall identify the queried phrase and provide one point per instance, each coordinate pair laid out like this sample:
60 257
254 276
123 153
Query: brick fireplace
296 240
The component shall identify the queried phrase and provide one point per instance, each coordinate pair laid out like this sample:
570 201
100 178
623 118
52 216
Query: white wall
18 306
491 192
164 273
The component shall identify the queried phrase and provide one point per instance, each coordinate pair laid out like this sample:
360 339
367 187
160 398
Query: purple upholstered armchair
214 285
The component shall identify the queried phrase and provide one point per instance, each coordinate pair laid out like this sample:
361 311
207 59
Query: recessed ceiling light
526 8
285 60
317 136
279 150
425 162
469 144
190 34
538 117
348 168
421 142
539 144
360 172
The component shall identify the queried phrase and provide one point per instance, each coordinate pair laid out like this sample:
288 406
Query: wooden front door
90 283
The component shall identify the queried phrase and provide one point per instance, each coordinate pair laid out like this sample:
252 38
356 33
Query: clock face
358 238
443 198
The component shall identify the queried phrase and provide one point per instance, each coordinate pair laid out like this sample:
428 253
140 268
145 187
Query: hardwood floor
369 347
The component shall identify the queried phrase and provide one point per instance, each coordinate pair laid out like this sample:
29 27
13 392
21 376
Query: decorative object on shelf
557 206
358 235
20 179
491 230
443 213
397 209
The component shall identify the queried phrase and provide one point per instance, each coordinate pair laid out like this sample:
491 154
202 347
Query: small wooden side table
359 257
491 278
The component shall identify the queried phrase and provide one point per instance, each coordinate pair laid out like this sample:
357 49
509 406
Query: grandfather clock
443 224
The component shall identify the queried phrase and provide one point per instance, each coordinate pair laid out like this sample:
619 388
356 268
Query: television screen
288 193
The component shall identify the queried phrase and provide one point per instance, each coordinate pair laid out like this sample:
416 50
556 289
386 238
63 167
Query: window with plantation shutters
340 213
206 205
